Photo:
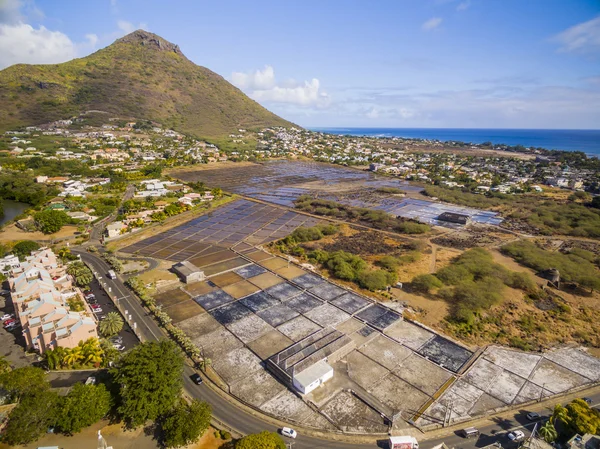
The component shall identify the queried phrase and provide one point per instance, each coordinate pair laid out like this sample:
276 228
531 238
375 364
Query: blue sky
400 63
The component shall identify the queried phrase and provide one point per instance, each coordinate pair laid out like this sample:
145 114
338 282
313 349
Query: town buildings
48 306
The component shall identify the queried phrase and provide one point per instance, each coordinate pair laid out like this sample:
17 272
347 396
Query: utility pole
542 392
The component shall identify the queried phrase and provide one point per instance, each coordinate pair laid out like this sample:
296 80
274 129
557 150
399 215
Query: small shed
188 272
453 217
312 377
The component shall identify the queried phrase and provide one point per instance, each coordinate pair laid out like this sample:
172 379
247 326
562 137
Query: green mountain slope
139 76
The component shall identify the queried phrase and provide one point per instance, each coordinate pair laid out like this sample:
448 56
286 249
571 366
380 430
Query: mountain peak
150 40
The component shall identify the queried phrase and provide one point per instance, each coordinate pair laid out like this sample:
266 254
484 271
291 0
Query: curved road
227 412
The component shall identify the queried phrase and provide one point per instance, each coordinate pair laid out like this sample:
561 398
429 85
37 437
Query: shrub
425 283
373 280
389 263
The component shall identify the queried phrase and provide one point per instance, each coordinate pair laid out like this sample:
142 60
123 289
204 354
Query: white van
111 274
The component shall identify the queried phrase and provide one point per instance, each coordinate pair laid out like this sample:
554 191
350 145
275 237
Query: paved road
242 421
98 228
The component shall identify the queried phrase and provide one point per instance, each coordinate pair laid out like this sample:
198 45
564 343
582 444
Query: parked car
287 432
470 432
533 416
118 347
95 306
8 322
90 380
90 296
516 435
196 378
13 326
588 400
117 340
7 316
97 309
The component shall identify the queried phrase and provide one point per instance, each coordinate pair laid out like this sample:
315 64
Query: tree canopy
32 417
186 423
24 248
262 440
23 381
81 273
82 407
149 378
51 221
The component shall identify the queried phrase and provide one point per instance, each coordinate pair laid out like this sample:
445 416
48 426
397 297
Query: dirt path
433 258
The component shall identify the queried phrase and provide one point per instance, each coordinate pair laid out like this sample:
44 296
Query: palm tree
91 351
111 325
205 363
548 432
72 356
52 358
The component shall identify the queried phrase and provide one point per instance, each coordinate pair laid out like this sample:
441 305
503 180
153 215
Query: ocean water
586 140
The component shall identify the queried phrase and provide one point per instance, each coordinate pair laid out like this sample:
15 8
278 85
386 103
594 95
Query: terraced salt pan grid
229 225
503 377
278 182
242 317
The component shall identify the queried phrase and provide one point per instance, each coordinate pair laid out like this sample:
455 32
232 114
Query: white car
6 316
287 432
97 310
516 435
119 347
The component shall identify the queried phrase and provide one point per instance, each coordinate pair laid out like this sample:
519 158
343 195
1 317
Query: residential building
114 229
49 307
9 263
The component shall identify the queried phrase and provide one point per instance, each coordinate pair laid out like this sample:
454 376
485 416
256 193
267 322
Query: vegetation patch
576 266
377 219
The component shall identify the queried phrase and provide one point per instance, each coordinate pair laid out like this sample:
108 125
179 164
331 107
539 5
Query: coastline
586 140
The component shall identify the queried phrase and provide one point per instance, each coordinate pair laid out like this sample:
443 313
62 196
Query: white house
9 263
312 377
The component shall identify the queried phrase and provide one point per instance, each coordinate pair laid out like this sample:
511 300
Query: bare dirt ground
116 436
12 233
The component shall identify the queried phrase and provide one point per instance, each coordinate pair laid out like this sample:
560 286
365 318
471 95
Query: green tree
81 273
23 381
548 432
33 416
91 351
111 325
425 283
51 221
24 248
149 377
373 280
82 407
217 192
186 423
54 357
262 440
582 418
561 414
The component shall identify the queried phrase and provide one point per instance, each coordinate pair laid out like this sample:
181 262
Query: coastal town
373 225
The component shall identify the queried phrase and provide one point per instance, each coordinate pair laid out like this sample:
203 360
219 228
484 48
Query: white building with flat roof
312 377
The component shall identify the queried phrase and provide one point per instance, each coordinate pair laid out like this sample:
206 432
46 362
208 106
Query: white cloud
22 43
432 23
581 38
463 5
257 80
263 87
